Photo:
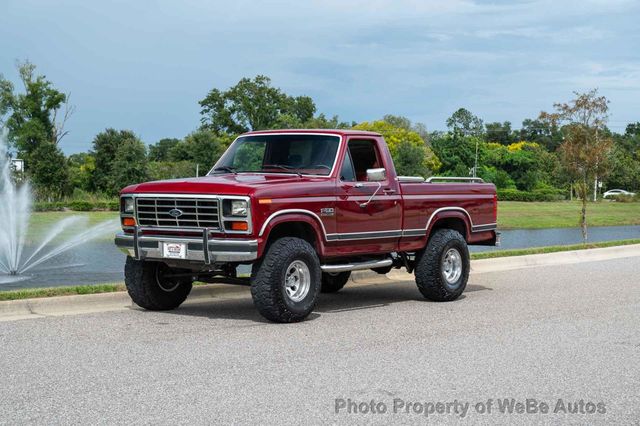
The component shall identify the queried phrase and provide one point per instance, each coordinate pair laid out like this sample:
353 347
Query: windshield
288 153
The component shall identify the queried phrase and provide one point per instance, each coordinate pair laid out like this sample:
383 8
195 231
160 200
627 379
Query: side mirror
376 175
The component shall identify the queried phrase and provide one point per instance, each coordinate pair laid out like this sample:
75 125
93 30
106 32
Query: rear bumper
219 250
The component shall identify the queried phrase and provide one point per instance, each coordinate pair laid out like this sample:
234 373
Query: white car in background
616 192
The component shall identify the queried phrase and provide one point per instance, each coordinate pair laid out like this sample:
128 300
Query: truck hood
226 184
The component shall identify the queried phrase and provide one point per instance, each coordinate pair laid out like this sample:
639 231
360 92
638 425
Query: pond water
101 262
527 238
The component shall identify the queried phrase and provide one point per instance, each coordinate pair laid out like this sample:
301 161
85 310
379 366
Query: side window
346 173
364 155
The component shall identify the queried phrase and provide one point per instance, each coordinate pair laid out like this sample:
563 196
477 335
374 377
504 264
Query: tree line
567 149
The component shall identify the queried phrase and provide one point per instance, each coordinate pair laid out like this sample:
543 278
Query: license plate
174 250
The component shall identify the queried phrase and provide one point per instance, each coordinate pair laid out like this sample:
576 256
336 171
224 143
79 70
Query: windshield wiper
288 169
226 169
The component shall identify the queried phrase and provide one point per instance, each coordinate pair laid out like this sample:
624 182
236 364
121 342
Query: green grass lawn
42 222
565 214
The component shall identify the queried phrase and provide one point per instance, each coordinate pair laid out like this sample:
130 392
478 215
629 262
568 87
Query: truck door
369 214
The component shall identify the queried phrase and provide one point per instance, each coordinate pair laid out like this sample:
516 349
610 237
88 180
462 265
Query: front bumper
219 250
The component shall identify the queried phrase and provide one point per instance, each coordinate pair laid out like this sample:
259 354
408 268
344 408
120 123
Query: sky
144 65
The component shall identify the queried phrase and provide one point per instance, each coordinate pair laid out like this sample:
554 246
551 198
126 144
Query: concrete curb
11 310
551 259
78 304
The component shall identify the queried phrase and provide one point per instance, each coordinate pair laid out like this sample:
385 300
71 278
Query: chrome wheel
451 266
297 281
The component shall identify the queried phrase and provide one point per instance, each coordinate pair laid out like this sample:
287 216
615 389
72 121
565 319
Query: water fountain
15 212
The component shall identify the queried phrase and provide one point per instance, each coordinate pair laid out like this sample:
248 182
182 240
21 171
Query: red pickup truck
304 208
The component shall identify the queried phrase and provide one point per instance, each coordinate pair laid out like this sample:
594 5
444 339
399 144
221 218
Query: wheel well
301 230
454 223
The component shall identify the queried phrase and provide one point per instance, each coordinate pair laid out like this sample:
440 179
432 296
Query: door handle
389 191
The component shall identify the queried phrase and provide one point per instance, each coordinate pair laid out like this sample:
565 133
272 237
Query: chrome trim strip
364 235
170 195
485 227
446 209
413 232
278 213
454 178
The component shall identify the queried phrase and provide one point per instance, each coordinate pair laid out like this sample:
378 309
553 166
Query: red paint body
398 208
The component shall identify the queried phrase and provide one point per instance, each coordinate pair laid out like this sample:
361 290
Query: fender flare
295 215
451 212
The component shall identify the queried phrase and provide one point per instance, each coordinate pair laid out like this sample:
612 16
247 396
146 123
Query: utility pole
475 165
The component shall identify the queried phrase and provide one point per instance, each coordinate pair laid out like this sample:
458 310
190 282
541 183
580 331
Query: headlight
127 205
238 208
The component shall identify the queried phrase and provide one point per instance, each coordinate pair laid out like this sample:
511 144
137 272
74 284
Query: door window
364 155
346 173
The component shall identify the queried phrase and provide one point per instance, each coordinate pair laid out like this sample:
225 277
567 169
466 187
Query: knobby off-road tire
334 282
442 268
150 290
286 282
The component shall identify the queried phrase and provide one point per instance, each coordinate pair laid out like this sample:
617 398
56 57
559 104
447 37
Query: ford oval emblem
175 213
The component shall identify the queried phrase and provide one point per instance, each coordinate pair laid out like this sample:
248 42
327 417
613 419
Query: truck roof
340 132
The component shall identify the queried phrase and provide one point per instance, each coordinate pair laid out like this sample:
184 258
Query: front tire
442 268
286 283
150 288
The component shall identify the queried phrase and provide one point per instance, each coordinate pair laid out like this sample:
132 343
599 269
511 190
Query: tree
626 173
322 122
160 170
129 165
48 172
202 147
160 150
464 123
499 133
542 132
457 154
81 171
252 104
35 122
526 163
584 152
405 123
633 129
410 153
106 146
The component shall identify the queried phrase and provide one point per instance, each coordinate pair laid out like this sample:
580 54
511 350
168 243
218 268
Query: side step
356 266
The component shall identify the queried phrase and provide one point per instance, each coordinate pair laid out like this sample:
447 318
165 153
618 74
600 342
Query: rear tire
442 268
150 290
286 282
332 283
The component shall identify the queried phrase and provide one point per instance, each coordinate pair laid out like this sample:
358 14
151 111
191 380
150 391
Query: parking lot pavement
566 336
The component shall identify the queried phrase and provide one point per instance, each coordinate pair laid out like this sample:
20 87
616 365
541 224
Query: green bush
536 195
81 205
80 201
45 206
626 198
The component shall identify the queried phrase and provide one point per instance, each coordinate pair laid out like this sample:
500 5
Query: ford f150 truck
304 208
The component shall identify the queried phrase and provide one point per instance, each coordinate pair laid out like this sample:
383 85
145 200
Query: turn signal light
239 226
128 221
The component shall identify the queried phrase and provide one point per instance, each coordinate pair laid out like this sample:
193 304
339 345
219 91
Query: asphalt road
564 332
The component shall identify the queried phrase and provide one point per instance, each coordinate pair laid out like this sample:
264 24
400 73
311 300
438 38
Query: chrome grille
196 212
